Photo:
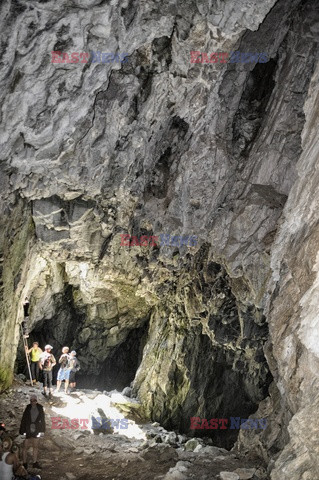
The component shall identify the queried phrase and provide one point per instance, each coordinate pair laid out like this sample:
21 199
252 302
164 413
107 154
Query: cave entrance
222 387
119 369
225 366
59 330
66 327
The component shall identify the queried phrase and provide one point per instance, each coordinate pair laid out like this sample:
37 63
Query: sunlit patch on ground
80 406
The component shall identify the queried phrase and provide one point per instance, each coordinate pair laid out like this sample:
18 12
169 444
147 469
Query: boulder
245 473
127 392
191 444
228 476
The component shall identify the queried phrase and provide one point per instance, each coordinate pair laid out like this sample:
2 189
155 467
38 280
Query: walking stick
25 344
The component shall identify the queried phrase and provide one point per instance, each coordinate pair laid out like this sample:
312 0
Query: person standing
35 357
64 370
46 363
26 305
75 367
32 425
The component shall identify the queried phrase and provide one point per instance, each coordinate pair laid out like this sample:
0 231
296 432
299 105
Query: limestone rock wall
160 145
293 312
291 307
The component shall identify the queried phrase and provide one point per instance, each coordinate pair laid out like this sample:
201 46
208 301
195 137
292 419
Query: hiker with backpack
75 367
46 363
64 370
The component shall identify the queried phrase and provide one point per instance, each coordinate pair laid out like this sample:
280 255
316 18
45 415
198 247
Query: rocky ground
142 451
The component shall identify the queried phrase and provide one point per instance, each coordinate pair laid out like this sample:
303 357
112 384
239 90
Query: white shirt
6 471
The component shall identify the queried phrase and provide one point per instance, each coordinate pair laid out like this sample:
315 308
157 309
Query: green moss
6 377
19 247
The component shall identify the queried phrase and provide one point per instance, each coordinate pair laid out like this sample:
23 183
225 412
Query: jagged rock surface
159 145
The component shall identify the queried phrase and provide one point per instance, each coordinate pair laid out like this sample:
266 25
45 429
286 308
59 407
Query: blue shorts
63 374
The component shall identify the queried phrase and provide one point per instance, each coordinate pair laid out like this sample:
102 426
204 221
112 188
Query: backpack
46 362
76 365
65 362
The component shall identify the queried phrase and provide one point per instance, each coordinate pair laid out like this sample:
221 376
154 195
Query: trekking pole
25 344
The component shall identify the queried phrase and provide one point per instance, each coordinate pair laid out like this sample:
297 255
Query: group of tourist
32 425
33 419
44 361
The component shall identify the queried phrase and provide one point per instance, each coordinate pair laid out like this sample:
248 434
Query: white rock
228 476
245 473
89 451
211 450
182 466
198 448
70 476
191 445
78 450
174 475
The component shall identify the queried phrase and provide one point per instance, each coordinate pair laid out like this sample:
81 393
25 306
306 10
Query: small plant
6 377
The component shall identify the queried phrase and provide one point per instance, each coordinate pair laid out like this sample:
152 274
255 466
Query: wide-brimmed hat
47 347
6 444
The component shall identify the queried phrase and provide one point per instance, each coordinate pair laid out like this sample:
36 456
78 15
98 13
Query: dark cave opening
225 382
253 107
58 331
119 369
223 388
64 329
228 373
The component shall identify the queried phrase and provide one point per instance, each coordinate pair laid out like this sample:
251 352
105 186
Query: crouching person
10 466
32 425
9 462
